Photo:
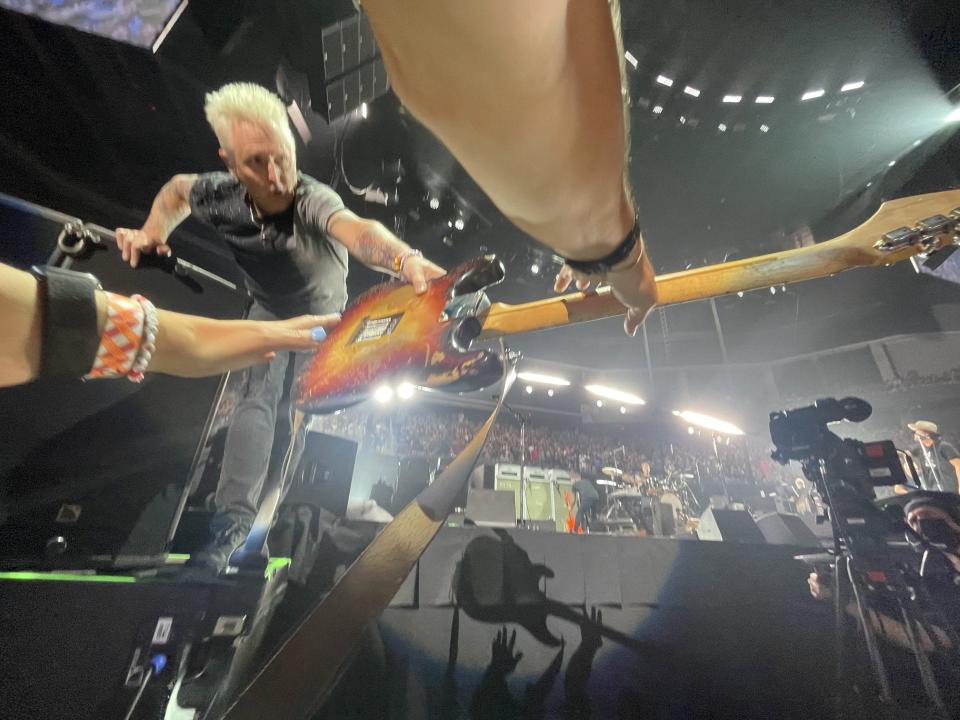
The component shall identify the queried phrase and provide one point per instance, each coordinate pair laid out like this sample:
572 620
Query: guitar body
391 335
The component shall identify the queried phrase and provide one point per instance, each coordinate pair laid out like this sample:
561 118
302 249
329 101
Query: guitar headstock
919 225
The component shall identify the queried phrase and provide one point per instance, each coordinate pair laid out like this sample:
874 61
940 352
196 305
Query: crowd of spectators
551 443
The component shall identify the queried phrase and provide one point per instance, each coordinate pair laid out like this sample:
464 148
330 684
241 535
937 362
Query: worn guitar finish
391 335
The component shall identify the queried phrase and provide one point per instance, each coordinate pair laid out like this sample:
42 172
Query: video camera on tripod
846 473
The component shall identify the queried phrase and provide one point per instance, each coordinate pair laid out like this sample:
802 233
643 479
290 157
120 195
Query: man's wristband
400 259
69 336
608 262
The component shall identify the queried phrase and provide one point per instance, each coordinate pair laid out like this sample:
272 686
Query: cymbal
610 471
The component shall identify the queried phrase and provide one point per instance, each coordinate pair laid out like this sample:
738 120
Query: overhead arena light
664 80
812 94
732 98
614 394
543 379
708 423
631 59
852 86
764 128
721 127
764 99
405 390
383 394
657 109
954 116
691 91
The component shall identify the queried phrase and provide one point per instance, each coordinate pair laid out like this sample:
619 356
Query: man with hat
939 461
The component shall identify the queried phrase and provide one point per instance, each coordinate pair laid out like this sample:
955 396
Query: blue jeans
246 456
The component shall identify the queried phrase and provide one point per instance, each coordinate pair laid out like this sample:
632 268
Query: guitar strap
302 672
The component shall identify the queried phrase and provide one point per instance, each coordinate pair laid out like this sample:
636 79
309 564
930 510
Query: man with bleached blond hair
290 235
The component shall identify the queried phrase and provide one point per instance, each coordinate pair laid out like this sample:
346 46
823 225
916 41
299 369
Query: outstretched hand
132 243
418 271
634 287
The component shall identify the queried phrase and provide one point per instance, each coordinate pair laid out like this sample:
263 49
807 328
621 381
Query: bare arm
170 207
187 345
540 124
375 246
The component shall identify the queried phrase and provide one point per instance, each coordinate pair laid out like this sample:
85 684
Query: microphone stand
522 419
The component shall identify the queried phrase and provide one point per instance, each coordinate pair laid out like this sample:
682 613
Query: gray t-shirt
290 264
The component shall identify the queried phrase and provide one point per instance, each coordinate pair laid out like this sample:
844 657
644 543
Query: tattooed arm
375 246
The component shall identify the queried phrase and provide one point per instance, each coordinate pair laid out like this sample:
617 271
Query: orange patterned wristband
121 338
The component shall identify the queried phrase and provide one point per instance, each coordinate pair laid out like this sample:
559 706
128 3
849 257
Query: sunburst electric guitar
392 335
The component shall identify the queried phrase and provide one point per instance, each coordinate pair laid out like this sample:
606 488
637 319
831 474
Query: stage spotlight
953 116
631 59
691 91
891 163
783 288
434 203
764 128
528 389
732 98
764 99
690 430
405 390
812 94
599 403
852 86
534 268
542 379
449 223
773 290
363 110
657 109
383 394
458 223
676 412
664 80
550 392
623 410
614 394
710 423
721 127
740 293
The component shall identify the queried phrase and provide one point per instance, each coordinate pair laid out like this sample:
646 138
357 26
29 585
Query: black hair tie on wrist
605 264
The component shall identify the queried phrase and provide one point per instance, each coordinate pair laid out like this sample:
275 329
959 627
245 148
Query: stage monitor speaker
97 473
786 529
490 508
413 477
324 474
729 526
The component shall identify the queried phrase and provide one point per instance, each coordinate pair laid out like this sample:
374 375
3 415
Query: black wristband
69 339
605 264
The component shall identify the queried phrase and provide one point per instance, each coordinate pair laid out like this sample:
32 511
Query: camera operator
939 461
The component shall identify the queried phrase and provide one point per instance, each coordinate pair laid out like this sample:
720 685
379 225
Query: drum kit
648 504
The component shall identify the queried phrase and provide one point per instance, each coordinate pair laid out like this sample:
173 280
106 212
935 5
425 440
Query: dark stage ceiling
93 127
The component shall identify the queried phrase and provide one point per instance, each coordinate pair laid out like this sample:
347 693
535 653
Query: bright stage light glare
434 203
623 410
657 109
664 80
631 59
953 116
542 379
405 390
764 99
691 91
690 430
535 268
812 94
732 98
710 423
550 392
721 127
363 110
383 394
614 394
599 403
528 389
458 223
852 86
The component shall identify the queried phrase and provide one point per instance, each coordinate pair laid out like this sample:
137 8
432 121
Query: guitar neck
790 266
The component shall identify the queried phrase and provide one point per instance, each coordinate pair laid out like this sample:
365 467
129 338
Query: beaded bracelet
149 340
121 339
